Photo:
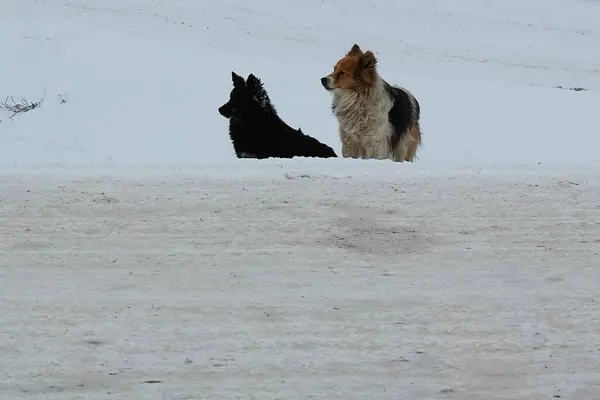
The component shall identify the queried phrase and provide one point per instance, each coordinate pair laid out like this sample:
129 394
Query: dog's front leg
377 149
351 148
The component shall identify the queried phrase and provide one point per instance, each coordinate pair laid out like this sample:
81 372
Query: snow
137 248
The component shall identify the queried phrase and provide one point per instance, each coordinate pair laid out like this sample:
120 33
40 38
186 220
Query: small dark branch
575 89
18 108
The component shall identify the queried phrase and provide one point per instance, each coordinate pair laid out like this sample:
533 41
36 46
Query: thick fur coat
376 120
256 130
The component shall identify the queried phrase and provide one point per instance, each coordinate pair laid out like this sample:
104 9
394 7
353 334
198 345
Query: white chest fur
364 122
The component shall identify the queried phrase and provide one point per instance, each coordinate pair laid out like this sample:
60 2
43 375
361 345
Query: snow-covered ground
291 283
136 248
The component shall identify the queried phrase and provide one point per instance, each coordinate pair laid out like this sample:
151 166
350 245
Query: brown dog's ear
366 62
365 68
355 51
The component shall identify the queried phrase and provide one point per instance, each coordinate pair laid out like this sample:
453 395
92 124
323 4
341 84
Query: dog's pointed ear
366 62
253 82
355 51
238 81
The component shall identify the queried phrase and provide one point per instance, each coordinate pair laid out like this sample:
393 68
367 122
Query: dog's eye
341 73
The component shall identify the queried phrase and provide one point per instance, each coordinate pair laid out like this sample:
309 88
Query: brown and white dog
376 120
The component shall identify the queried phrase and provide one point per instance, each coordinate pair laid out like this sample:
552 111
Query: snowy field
139 259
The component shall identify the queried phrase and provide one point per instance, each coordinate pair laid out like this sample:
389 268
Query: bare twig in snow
18 108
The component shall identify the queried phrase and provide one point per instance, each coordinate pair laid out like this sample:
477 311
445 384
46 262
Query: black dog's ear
253 82
238 81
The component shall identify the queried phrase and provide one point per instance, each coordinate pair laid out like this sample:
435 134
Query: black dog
257 131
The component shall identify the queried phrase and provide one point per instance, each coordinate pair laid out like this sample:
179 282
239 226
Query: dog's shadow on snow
370 230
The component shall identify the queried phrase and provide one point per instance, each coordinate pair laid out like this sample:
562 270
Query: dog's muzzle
225 110
325 82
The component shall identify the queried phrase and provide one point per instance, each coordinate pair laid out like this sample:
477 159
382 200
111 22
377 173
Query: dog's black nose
325 82
224 111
